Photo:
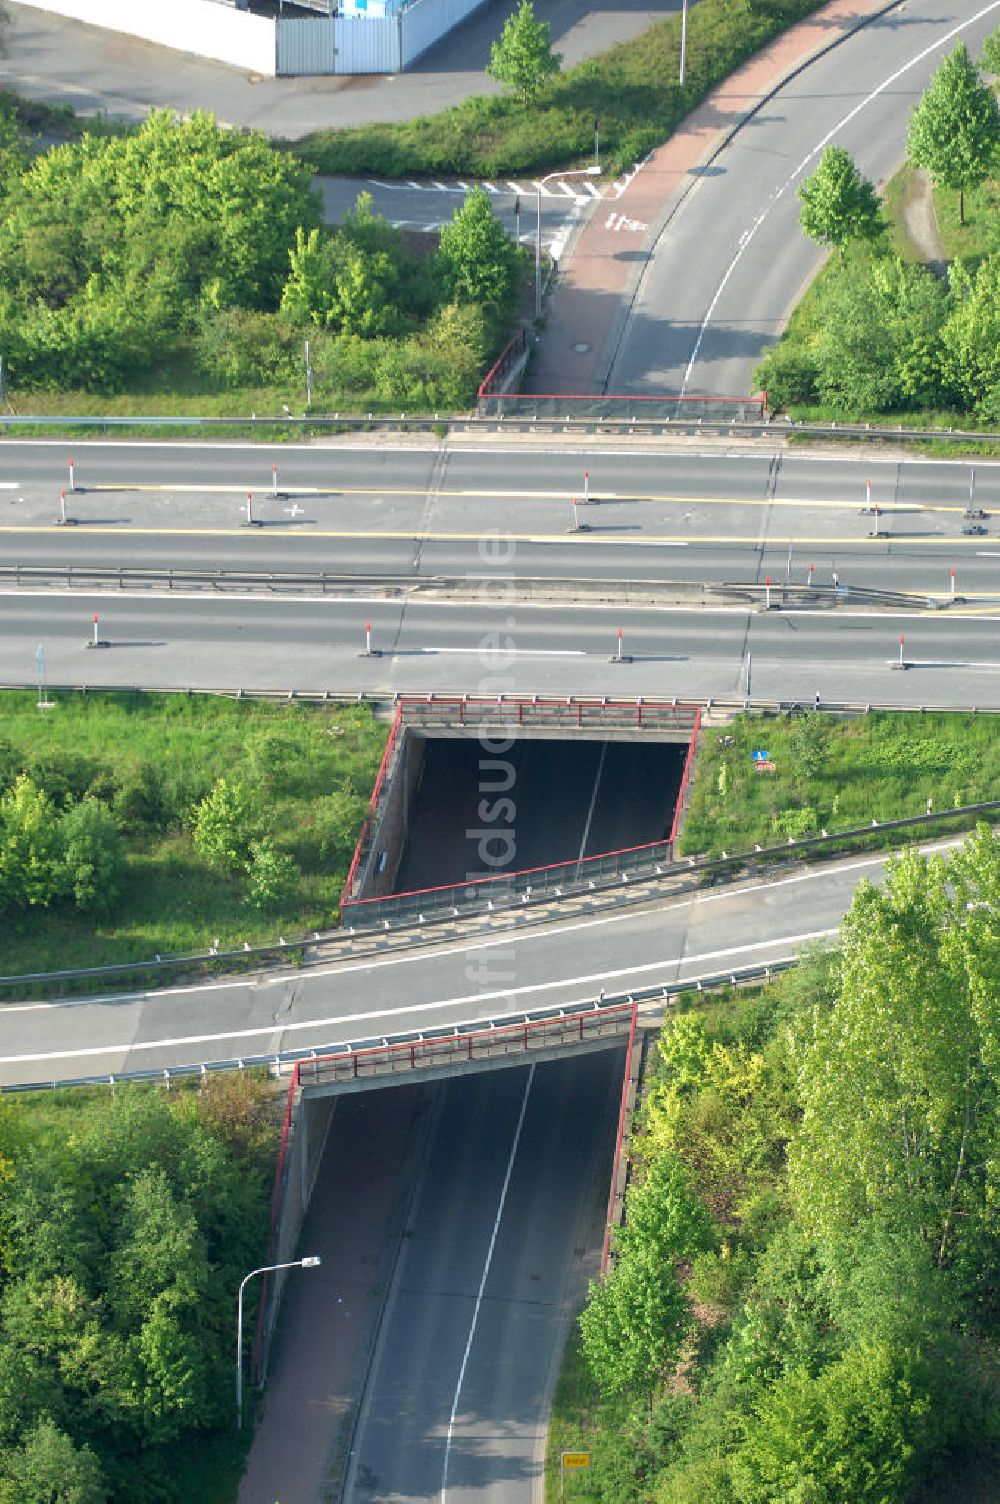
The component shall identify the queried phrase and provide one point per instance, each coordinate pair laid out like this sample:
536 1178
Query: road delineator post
586 485
250 520
64 520
72 475
619 656
900 662
578 526
97 641
369 651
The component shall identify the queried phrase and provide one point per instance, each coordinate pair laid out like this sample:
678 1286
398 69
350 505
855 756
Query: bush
93 860
138 800
226 825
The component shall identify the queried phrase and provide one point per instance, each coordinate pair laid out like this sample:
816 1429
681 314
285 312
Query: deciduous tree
634 1322
838 204
522 56
955 129
478 260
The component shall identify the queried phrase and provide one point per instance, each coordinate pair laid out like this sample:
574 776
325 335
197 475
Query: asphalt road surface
97 70
492 516
505 1229
654 513
461 981
733 260
428 206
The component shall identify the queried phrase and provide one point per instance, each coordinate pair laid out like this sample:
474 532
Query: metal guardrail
639 864
347 941
765 427
488 895
285 1062
437 1051
769 596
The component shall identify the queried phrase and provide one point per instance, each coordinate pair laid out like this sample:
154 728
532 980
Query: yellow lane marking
601 496
584 540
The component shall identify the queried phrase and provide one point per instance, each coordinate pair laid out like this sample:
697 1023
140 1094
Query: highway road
733 260
459 981
504 1231
495 517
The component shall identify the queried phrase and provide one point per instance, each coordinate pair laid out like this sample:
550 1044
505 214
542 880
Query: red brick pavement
604 267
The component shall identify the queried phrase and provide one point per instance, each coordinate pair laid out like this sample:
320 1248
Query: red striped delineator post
901 661
274 480
64 519
72 475
953 584
97 641
619 656
369 651
586 485
250 520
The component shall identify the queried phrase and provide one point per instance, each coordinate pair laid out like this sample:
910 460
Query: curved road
456 981
733 259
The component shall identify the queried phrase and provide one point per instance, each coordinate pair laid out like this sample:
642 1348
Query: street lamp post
684 42
311 1262
578 172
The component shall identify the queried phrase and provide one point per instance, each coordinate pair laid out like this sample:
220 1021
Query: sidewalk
325 1323
590 305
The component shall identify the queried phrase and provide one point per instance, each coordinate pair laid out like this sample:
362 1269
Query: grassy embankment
661 1448
970 242
629 87
835 774
151 758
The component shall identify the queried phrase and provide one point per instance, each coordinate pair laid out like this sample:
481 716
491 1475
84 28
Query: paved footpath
589 307
324 1328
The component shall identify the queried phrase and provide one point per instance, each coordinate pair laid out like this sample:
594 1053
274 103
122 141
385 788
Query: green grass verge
978 237
629 87
581 1421
172 900
835 773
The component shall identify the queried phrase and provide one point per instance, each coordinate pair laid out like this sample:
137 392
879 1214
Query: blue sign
761 756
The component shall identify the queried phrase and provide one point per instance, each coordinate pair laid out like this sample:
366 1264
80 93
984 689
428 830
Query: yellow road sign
575 1459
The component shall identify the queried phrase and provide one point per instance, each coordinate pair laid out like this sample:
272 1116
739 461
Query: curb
611 346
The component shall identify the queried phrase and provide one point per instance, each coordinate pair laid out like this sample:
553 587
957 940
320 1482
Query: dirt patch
921 226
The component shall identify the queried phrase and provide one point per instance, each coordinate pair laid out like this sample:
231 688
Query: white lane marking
339 1019
491 187
516 189
594 192
749 234
482 1285
501 941
10 485
505 652
593 801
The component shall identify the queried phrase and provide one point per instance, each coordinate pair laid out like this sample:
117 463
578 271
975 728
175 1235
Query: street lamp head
311 1262
593 171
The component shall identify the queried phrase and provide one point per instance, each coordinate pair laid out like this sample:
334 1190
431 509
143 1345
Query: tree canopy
128 1222
522 57
806 1281
955 129
838 204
